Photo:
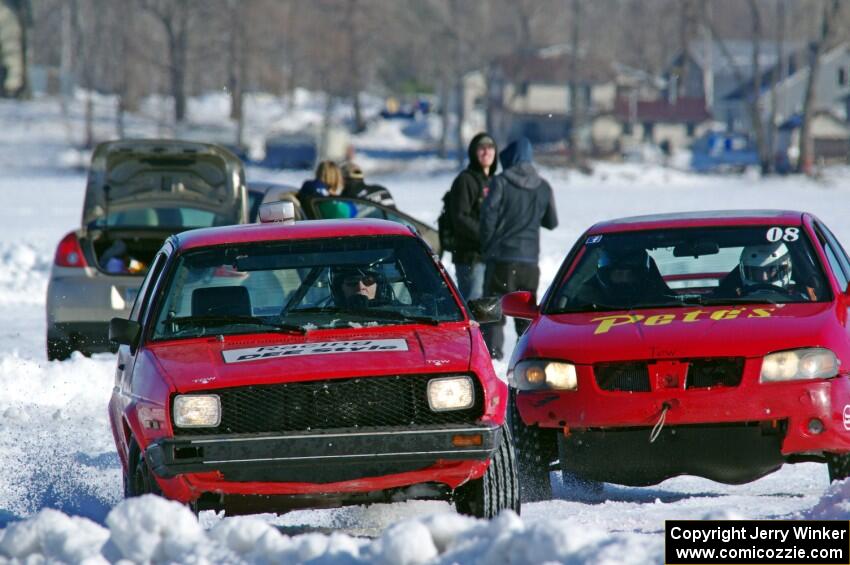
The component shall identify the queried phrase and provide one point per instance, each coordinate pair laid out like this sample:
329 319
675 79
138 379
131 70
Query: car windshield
706 266
160 217
299 286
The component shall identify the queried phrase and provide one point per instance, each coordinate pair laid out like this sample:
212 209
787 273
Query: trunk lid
163 184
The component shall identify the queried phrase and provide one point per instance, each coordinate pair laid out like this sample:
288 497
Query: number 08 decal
784 234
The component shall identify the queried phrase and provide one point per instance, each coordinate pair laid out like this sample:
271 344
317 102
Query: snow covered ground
60 482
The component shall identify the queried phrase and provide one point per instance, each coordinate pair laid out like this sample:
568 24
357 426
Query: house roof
548 67
795 63
683 110
710 54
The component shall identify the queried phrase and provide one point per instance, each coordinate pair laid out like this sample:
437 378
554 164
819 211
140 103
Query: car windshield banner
318 348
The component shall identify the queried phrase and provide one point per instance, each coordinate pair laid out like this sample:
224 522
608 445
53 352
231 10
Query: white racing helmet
766 264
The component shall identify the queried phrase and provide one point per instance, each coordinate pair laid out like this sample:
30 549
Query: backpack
445 227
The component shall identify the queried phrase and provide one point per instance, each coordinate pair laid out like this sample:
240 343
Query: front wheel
838 465
58 349
535 449
138 479
497 489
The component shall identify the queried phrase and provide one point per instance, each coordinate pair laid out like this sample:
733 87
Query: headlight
450 393
197 411
800 364
537 374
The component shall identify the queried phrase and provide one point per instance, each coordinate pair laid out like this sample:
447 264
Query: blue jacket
518 203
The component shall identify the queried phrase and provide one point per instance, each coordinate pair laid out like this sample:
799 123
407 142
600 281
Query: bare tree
576 109
173 17
755 110
828 25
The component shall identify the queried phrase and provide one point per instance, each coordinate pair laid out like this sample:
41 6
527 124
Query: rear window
668 268
171 218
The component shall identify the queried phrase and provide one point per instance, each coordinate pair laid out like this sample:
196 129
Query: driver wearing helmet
359 287
765 265
624 278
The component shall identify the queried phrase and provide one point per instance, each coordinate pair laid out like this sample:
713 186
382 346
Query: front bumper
795 404
350 460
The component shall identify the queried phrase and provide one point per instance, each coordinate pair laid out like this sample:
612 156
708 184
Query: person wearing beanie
518 203
356 187
464 207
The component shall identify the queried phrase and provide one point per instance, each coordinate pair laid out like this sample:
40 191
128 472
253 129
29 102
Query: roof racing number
784 234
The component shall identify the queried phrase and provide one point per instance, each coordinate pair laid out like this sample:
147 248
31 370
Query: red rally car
290 364
706 343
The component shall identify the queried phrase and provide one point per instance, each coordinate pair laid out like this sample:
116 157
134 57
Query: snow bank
23 276
834 505
151 529
56 448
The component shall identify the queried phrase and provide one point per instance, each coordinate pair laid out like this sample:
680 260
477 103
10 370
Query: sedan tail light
69 253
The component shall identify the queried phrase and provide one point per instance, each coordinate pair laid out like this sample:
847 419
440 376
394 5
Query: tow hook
662 417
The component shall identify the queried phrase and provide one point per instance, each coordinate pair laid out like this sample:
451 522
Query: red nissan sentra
706 343
282 365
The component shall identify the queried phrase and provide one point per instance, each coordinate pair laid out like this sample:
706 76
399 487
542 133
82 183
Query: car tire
535 449
838 465
58 349
138 479
574 483
497 489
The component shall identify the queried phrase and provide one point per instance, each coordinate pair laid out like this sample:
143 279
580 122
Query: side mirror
520 304
486 310
124 332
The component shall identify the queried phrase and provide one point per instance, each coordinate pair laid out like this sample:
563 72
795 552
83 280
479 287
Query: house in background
830 140
713 70
529 94
672 124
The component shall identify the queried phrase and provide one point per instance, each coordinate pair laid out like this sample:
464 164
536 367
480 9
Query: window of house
842 76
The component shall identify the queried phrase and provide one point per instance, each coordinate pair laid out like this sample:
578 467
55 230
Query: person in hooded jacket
464 208
518 203
355 186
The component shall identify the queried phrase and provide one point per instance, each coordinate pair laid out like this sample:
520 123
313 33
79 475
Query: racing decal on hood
317 348
608 322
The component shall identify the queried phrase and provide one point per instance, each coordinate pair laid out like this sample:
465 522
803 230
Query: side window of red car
150 281
833 256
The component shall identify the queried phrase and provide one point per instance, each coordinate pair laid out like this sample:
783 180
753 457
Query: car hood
728 331
164 173
240 360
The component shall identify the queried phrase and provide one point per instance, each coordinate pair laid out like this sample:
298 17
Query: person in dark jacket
327 182
518 203
356 187
464 209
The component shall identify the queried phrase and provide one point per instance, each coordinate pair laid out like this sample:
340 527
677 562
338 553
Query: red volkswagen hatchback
279 365
709 343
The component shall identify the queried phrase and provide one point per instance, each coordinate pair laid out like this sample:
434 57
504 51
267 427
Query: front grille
330 404
624 377
704 373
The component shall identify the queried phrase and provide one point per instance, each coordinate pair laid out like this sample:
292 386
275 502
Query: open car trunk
139 192
123 252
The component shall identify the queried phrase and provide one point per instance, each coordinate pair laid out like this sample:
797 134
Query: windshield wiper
225 320
717 301
395 316
376 314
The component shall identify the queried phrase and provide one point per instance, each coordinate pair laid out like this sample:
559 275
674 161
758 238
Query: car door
368 209
139 313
